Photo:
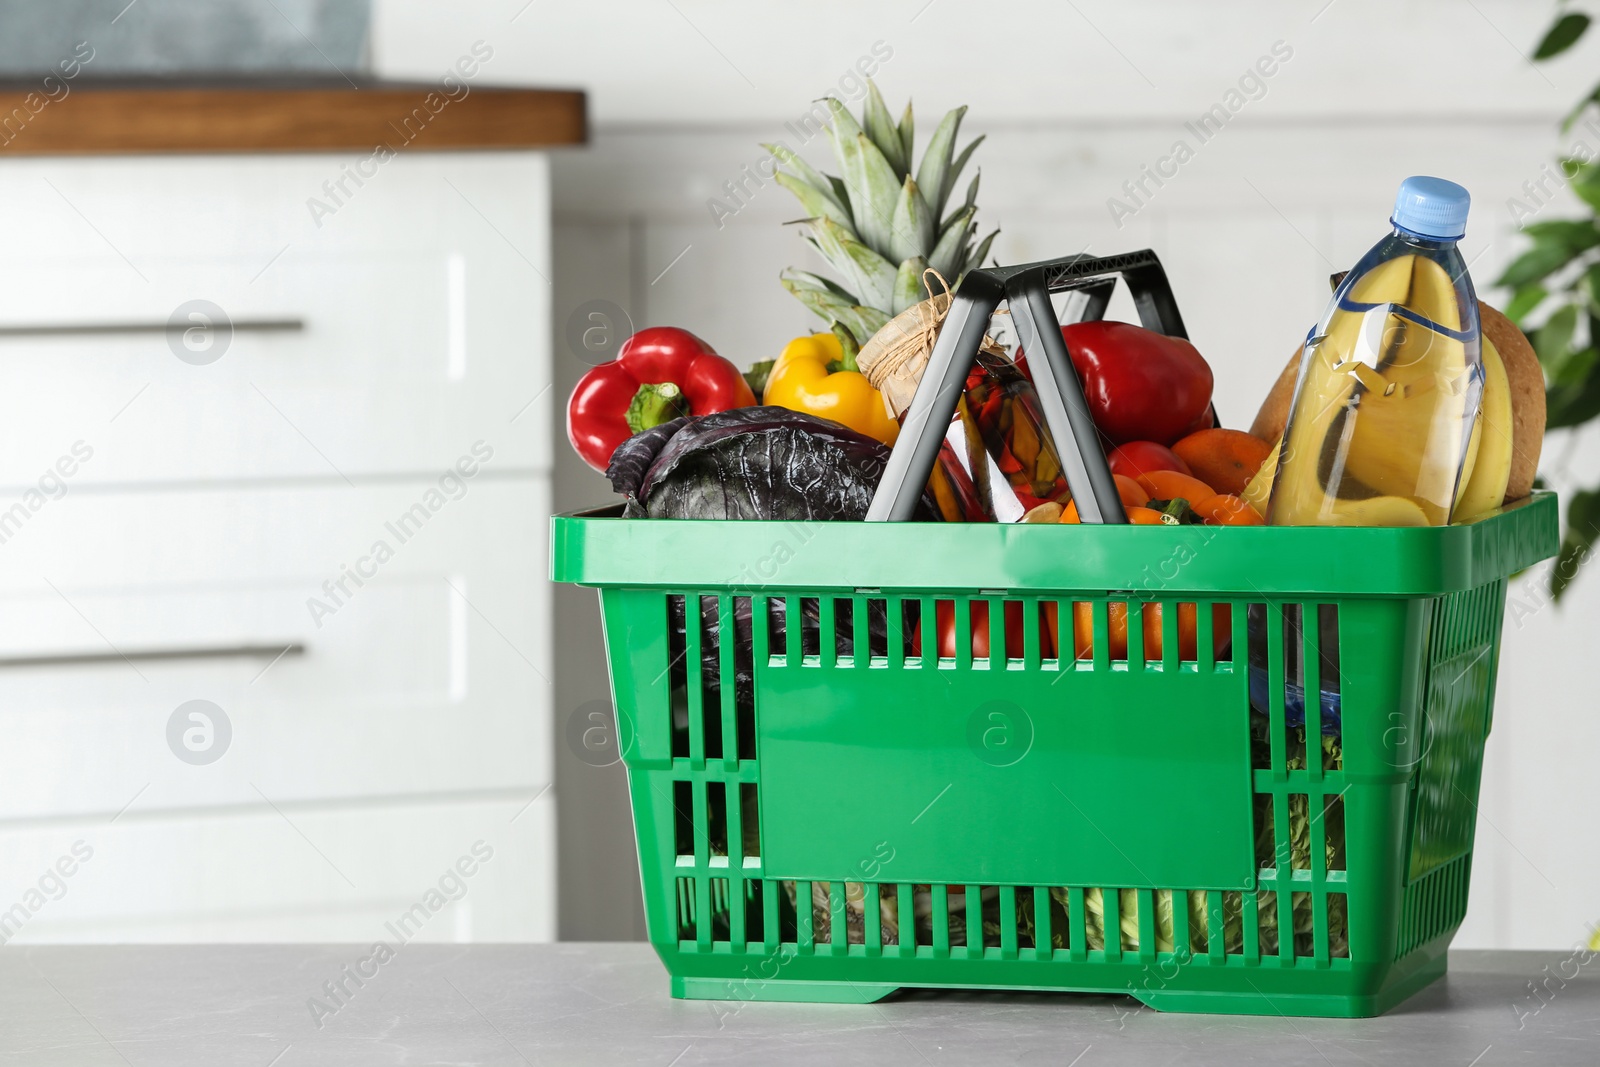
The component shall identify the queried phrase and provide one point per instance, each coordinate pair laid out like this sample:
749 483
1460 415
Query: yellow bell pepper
808 377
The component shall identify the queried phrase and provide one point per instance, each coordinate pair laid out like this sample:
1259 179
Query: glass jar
997 461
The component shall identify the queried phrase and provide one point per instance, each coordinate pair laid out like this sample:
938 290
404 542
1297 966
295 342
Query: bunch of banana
1484 481
1502 453
1382 414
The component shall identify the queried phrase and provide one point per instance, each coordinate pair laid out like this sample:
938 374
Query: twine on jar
894 358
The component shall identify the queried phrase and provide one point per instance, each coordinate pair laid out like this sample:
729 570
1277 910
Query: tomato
1141 457
945 612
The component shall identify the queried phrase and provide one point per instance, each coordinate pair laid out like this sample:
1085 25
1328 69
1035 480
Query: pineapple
879 227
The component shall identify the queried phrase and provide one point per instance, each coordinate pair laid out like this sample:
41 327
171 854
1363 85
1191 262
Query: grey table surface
183 1005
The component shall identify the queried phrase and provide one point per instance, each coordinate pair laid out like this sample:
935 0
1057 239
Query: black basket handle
1026 289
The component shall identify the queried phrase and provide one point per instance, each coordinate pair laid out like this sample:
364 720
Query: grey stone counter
211 1005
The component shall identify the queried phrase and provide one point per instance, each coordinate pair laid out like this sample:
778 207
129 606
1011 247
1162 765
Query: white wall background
1074 98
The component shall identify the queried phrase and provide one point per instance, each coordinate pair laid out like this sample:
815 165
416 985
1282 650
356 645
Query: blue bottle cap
1431 207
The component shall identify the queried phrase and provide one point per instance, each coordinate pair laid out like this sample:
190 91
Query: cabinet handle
95 329
59 659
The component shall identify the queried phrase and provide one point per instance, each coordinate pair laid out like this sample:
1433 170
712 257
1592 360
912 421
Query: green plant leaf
1563 35
1569 560
1575 169
1576 234
1578 109
1589 193
1553 340
756 377
1537 263
1525 300
1575 368
1583 523
1572 404
1584 178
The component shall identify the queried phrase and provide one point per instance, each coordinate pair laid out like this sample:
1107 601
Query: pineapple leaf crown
881 225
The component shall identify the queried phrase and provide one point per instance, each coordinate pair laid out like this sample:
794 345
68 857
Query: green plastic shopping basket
1273 818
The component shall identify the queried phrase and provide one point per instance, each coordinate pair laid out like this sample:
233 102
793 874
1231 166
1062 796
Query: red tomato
979 609
1141 457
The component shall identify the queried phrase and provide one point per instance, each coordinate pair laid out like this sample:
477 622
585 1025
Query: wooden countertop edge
89 119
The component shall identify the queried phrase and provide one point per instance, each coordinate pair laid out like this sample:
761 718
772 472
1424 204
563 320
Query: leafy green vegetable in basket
891 924
1300 822
1094 921
1267 921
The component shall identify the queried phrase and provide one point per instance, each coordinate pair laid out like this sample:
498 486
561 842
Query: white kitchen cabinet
429 679
324 872
370 341
168 526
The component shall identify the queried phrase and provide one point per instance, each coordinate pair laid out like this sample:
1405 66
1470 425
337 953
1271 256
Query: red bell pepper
659 374
1141 385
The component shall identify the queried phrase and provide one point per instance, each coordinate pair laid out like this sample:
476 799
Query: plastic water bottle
1390 379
